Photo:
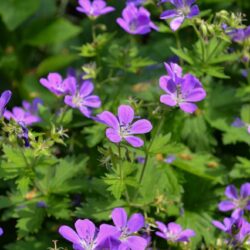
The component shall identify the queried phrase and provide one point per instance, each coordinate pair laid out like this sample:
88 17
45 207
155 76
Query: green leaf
56 32
55 63
183 54
241 169
197 135
198 165
30 220
15 12
160 143
245 114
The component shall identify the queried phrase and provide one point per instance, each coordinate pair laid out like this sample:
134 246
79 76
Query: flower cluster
26 115
182 91
4 99
136 20
124 234
123 128
240 35
76 96
94 8
183 9
236 226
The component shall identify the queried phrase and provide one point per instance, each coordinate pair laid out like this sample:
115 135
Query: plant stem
160 124
202 42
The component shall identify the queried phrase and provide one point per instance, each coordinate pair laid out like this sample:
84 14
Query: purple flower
181 91
184 9
140 159
238 229
21 116
4 99
244 73
125 230
32 107
170 159
173 232
135 2
81 98
55 84
41 204
240 35
238 123
237 203
136 21
1 231
85 237
123 128
94 8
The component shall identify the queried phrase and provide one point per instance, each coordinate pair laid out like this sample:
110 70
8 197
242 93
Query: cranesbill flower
94 8
181 91
240 35
1 231
81 97
237 202
184 9
32 107
4 99
237 229
136 20
55 84
238 123
170 159
21 116
85 237
123 128
125 230
173 232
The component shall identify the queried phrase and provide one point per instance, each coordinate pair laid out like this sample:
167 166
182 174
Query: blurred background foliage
42 36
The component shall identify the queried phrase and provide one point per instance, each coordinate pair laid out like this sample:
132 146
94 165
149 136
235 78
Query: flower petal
135 243
237 213
119 217
86 111
185 235
176 23
245 190
219 225
194 11
5 97
69 234
161 226
226 206
109 119
169 14
174 228
134 141
85 229
188 107
86 88
125 114
141 127
135 223
68 100
92 101
168 100
231 192
196 95
113 135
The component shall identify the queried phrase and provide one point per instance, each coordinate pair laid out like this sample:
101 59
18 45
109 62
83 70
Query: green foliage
70 170
13 18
